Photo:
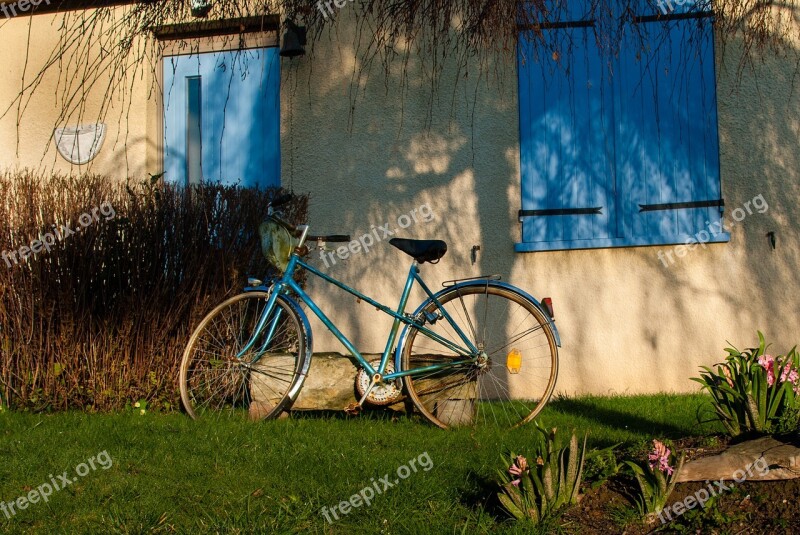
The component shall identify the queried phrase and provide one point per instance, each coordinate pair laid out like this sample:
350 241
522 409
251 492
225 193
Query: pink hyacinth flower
788 374
518 468
727 372
768 363
660 457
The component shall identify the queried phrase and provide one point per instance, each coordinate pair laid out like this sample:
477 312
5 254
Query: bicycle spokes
506 383
232 369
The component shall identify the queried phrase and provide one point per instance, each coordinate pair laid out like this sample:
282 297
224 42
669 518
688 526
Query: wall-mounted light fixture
200 8
294 39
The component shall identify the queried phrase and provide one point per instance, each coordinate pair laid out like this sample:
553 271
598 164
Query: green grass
174 475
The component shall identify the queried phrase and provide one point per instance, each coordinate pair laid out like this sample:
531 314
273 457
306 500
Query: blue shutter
667 144
239 116
566 135
633 133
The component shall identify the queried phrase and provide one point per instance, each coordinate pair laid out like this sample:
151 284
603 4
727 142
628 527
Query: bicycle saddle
421 250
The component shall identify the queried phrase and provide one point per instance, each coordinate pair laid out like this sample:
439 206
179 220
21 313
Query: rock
330 384
458 410
260 409
763 459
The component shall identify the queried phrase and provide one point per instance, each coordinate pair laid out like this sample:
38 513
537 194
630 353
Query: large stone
763 459
456 412
260 409
330 384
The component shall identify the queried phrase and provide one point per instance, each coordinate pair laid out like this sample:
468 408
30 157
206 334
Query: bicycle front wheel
510 380
219 379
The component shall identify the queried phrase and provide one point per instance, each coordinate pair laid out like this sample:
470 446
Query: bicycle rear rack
453 282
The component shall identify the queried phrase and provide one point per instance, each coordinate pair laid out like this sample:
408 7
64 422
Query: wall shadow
371 148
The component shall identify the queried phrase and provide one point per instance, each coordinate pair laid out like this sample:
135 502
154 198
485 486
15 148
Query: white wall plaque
79 144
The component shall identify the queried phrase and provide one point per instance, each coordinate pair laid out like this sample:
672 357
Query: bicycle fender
295 306
483 283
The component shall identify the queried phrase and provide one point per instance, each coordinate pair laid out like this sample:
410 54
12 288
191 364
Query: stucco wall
27 124
369 151
628 323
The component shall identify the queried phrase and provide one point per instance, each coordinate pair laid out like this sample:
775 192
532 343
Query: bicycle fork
262 323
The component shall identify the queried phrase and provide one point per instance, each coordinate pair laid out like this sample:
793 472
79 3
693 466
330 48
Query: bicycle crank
382 393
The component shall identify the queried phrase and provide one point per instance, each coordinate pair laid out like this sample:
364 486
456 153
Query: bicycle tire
496 390
214 382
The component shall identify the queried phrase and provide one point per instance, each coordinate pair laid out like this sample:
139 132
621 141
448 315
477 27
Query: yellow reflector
514 361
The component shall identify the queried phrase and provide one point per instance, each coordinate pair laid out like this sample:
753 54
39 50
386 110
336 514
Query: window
194 130
618 146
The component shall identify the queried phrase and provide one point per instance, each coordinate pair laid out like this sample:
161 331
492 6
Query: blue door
222 118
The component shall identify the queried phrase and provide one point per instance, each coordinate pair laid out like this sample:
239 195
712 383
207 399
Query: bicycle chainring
383 394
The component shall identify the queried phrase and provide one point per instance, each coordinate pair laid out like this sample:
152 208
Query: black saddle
421 250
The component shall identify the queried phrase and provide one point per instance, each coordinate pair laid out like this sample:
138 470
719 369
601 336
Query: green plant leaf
576 482
635 468
511 507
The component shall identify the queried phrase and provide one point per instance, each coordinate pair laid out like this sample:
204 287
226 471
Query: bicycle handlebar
297 230
331 238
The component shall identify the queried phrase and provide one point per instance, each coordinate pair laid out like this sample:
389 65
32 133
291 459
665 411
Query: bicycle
479 351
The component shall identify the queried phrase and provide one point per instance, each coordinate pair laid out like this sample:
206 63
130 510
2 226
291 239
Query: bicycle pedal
353 409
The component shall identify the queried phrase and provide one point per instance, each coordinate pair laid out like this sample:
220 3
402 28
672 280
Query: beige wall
370 151
26 126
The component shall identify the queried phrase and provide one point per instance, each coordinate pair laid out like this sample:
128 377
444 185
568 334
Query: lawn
164 473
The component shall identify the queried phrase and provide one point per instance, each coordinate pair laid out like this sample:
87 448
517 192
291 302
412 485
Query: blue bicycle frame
287 283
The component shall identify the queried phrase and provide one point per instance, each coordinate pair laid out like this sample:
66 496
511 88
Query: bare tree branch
101 53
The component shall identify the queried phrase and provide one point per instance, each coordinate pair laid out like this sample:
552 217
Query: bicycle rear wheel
217 382
511 380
